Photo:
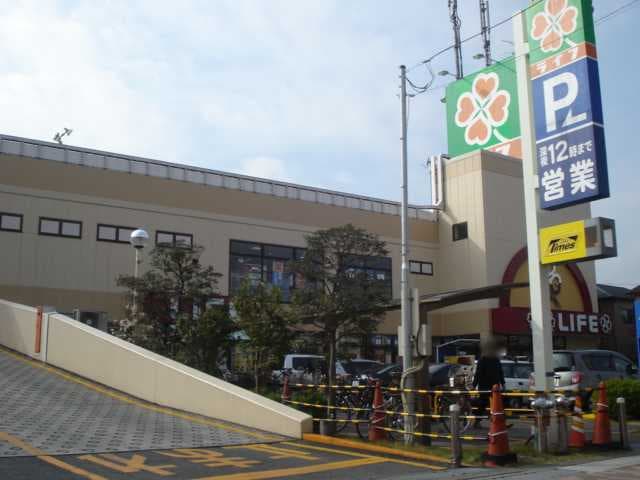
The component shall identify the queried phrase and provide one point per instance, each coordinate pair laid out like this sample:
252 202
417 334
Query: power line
427 62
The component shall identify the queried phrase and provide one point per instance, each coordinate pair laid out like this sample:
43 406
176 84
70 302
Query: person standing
488 373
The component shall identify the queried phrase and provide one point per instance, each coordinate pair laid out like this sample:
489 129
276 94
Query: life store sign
571 155
517 321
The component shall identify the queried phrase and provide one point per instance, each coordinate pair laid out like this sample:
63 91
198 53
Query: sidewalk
622 468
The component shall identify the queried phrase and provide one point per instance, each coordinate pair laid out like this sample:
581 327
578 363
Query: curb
341 442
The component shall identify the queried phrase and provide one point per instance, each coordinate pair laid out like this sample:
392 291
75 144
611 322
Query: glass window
421 268
246 248
508 370
10 222
172 239
124 234
563 362
71 229
459 231
183 240
107 233
51 227
164 238
61 228
114 233
268 263
621 365
599 362
523 370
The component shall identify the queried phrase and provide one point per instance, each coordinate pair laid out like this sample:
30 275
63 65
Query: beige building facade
66 213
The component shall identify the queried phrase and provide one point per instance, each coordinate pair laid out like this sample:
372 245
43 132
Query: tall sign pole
405 306
541 328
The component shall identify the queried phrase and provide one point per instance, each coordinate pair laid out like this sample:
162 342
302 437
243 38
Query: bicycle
443 402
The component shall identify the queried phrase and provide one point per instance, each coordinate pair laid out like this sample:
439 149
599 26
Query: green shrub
629 389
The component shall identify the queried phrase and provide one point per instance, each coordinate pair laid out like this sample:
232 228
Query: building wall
81 273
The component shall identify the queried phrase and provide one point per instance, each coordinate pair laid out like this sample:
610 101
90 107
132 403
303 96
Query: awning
445 299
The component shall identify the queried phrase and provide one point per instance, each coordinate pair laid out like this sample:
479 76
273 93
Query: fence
377 412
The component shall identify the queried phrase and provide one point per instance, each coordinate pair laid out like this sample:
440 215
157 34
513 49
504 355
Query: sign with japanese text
563 243
482 111
571 153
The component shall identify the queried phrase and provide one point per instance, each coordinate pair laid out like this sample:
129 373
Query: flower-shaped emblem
553 24
483 109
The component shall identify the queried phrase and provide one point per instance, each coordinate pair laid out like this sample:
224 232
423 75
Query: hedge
629 389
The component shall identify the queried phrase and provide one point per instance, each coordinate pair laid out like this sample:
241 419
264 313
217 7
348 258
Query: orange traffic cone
576 437
377 416
286 393
498 452
602 428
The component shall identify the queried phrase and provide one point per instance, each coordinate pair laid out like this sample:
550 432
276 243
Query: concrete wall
70 273
18 328
100 357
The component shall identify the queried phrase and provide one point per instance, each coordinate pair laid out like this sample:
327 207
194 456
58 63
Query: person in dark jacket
488 373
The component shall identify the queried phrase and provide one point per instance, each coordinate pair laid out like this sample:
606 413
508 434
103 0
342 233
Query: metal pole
541 331
134 309
456 445
622 422
407 353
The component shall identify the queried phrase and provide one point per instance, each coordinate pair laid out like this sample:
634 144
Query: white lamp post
139 239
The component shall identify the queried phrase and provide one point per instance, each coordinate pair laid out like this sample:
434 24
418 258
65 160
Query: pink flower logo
483 109
551 25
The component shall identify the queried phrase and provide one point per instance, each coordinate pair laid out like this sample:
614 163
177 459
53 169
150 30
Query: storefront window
258 262
376 268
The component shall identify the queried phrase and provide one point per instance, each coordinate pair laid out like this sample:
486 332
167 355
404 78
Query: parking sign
571 154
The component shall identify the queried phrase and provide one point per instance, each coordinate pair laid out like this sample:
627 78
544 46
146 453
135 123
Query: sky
305 92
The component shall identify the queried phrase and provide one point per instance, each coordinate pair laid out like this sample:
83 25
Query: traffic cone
576 437
377 416
286 393
602 428
498 452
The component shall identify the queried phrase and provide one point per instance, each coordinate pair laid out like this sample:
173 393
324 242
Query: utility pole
405 307
541 329
457 43
485 28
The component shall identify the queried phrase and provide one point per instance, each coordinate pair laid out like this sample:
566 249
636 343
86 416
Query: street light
139 239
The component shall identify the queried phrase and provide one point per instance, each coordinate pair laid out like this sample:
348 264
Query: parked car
576 370
516 377
439 374
348 370
302 368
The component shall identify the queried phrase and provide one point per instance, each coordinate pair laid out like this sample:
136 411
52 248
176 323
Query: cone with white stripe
602 428
576 437
498 452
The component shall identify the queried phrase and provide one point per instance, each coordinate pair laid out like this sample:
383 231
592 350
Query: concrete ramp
49 411
69 345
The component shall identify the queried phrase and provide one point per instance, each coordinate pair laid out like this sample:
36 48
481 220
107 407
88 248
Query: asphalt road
290 460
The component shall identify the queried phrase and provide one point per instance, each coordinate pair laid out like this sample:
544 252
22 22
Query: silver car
577 370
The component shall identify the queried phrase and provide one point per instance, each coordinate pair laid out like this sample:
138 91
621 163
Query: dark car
439 374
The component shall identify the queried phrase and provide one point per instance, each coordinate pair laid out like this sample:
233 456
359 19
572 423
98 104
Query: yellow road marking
276 452
361 455
343 442
40 455
133 401
288 472
137 463
209 458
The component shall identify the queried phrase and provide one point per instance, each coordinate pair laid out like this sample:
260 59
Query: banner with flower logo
482 111
557 25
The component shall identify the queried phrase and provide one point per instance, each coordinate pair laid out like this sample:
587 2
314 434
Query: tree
342 295
174 317
262 316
